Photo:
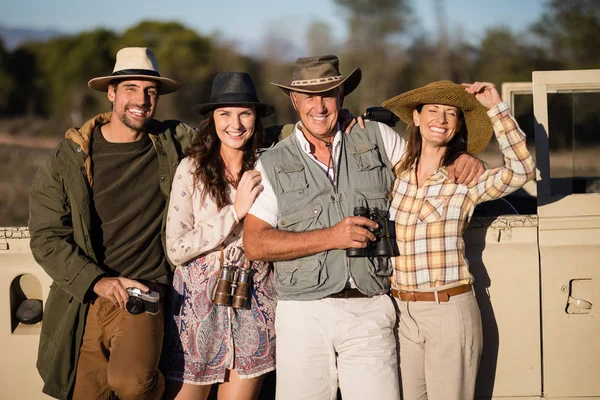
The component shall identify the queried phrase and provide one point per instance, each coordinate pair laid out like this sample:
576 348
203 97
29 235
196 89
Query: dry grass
20 165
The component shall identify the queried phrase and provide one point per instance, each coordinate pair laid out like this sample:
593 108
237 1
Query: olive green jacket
60 226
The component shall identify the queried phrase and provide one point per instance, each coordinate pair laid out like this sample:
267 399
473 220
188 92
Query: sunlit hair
117 81
210 167
454 148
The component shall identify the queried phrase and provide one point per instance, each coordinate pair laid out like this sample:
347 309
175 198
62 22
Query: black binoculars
233 288
381 114
382 245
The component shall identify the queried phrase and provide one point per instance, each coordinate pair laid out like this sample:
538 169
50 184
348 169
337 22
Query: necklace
331 165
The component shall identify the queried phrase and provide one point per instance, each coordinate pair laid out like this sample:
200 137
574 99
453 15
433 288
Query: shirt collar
440 175
305 144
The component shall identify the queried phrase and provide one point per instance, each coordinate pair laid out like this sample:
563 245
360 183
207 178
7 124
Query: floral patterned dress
203 340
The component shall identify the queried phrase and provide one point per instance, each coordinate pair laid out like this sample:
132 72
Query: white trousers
329 342
440 348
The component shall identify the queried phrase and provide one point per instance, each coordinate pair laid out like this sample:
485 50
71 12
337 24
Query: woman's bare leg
236 388
186 391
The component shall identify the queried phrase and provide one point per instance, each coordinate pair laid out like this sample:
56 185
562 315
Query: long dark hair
210 167
454 148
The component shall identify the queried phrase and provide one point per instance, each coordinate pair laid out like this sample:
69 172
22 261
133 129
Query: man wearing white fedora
334 320
96 223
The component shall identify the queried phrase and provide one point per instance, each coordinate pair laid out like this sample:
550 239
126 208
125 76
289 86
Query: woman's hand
485 92
247 190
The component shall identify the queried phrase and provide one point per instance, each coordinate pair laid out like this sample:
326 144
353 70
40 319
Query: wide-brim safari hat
320 74
135 63
234 89
479 125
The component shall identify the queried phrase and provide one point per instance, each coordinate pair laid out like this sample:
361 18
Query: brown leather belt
347 294
443 295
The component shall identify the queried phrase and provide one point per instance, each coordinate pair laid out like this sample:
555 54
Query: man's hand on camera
352 232
115 289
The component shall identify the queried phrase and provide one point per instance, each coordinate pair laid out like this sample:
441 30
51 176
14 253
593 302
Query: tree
7 80
318 39
65 65
570 31
373 25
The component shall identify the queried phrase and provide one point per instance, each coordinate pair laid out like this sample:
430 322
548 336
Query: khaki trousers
321 343
120 354
440 347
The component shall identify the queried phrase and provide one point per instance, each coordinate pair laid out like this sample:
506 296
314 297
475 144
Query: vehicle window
574 125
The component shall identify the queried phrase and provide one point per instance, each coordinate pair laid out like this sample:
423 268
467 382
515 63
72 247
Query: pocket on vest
301 218
380 266
302 273
367 157
290 177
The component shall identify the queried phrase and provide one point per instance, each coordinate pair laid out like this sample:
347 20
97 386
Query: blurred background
48 52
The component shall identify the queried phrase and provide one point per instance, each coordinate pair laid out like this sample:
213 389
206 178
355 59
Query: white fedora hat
135 63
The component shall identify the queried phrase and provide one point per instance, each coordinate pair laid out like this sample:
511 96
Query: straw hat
478 123
135 63
320 74
231 89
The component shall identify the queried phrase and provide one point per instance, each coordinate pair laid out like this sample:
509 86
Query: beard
134 124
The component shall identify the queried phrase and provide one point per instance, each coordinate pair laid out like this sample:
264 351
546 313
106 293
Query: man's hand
466 170
351 233
115 289
347 120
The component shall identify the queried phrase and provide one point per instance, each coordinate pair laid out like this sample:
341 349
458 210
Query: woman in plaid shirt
440 325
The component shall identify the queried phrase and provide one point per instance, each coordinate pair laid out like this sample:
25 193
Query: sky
247 23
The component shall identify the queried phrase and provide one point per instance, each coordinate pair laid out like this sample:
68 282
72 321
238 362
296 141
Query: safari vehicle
535 256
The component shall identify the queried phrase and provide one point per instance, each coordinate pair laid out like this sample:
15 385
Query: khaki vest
307 200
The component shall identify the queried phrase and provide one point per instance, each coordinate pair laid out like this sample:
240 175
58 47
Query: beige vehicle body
537 272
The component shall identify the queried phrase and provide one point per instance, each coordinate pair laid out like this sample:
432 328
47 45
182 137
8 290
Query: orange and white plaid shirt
431 219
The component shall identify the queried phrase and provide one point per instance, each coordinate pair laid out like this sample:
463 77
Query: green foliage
49 79
571 32
7 80
374 20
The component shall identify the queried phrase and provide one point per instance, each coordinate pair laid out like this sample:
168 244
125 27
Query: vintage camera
381 114
233 288
382 245
140 301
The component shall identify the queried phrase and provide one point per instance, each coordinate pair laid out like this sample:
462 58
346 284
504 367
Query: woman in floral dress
213 190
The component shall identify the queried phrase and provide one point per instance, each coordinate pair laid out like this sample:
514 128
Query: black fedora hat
232 89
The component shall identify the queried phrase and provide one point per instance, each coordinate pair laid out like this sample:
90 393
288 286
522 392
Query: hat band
318 81
136 72
234 98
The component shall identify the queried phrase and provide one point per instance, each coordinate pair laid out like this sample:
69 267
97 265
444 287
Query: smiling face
234 126
134 102
318 112
438 123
